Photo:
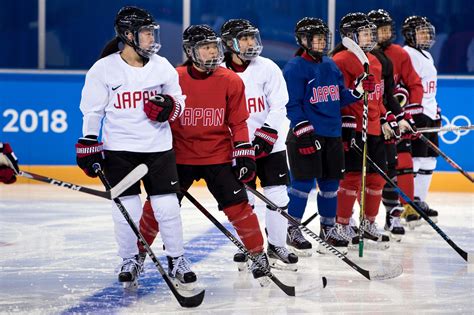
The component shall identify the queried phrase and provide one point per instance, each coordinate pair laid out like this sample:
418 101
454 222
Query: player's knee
133 206
277 194
238 212
165 207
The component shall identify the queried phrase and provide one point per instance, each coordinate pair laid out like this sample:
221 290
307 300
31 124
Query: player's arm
411 79
296 84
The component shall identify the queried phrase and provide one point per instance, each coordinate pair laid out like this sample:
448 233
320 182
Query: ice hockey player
8 164
315 148
136 106
266 95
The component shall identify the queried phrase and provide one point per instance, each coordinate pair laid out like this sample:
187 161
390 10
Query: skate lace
333 233
281 251
260 263
181 265
129 264
345 231
296 235
395 222
371 228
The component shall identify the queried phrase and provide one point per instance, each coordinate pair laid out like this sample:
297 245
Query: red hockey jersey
351 68
215 117
405 73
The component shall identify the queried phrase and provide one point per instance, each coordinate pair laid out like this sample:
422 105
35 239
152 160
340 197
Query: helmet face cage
419 32
147 40
235 31
305 31
192 50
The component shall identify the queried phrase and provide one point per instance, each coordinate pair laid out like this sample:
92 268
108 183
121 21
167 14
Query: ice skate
432 214
280 258
297 243
348 233
393 224
180 273
242 261
331 236
259 267
411 218
129 272
375 239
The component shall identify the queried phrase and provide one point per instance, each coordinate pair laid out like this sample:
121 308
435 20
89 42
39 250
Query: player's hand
161 108
364 83
390 129
305 138
407 126
88 152
8 164
243 162
264 141
348 131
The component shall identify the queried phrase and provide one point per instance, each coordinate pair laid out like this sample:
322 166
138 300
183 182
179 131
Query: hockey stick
184 301
311 218
134 176
289 290
359 53
445 129
466 256
447 158
370 275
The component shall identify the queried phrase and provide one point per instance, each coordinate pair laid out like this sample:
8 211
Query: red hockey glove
348 131
264 141
162 107
364 83
8 164
88 152
391 132
243 162
305 138
401 94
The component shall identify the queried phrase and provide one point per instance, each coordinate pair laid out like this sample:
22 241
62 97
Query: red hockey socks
346 196
148 225
373 195
246 225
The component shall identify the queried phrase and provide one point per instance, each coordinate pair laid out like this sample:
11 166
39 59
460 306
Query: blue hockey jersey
316 93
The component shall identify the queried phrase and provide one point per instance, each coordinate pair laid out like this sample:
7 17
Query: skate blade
280 265
242 266
130 285
300 252
264 281
323 250
396 237
183 286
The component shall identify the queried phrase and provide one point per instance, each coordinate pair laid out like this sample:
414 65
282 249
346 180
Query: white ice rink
58 256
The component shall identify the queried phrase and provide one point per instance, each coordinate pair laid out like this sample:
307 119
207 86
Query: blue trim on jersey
316 93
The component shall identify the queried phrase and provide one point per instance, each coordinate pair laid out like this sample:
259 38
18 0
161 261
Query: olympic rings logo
464 121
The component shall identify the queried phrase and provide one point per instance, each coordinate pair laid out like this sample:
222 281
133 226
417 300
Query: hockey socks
148 225
405 176
298 193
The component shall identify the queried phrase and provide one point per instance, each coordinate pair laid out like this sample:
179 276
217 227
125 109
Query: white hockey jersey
266 96
116 92
424 66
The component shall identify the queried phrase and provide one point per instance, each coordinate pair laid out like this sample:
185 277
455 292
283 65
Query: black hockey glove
243 162
305 138
264 141
88 152
348 131
162 107
8 164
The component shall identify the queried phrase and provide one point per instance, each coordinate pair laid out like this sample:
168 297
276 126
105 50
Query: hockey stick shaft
444 129
289 290
135 175
366 273
311 218
192 301
461 252
447 158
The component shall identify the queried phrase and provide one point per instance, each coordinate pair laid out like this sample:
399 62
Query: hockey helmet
236 30
418 32
358 27
305 30
197 36
382 18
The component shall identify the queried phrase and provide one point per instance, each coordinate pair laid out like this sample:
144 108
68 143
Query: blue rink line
110 299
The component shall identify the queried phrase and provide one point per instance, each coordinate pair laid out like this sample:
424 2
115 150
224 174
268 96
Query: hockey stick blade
134 176
289 290
356 50
184 301
417 208
382 274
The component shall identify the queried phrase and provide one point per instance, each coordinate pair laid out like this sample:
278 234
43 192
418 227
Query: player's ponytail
111 47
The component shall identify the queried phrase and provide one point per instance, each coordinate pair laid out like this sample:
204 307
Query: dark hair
187 62
111 47
299 52
339 47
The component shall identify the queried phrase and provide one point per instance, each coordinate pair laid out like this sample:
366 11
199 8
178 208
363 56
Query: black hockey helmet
136 20
353 23
305 30
235 29
381 18
415 23
196 36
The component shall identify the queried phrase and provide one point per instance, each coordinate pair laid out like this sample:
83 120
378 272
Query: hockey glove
243 162
364 83
161 108
390 130
264 141
305 138
8 164
401 94
348 131
88 152
407 126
